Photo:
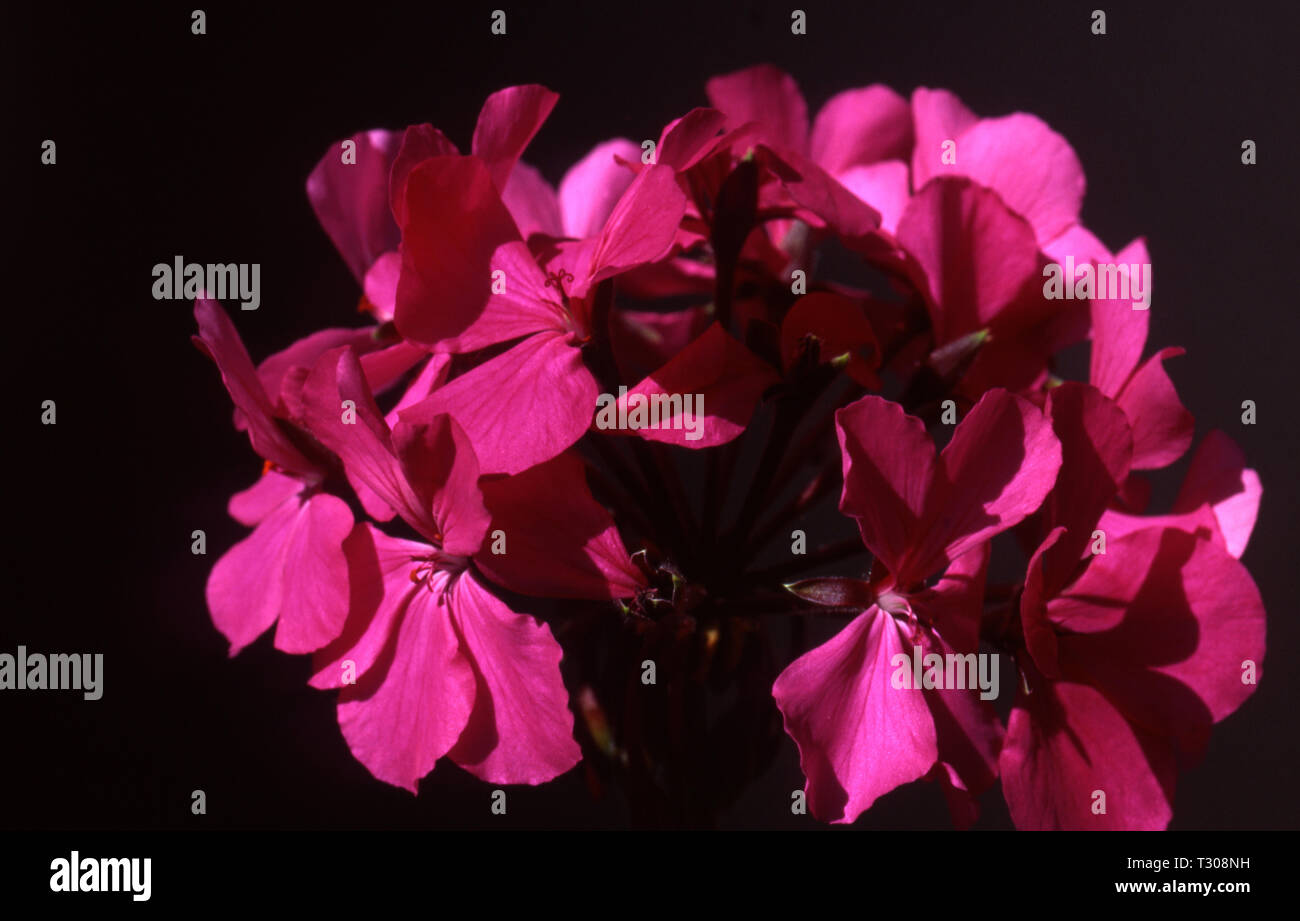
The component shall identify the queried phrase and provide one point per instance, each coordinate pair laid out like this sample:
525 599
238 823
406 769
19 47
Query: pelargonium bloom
291 570
918 513
437 553
468 281
442 667
1132 654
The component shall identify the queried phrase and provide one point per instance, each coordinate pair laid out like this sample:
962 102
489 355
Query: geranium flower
918 513
1131 655
291 571
531 402
443 666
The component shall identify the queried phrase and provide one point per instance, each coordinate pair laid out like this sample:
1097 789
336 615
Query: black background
175 144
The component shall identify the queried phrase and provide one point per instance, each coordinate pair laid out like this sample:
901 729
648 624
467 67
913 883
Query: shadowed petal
858 736
559 541
521 728
1064 745
412 705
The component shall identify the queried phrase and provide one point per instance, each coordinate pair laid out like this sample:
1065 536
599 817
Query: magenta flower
528 404
859 736
291 570
441 666
469 512
1132 654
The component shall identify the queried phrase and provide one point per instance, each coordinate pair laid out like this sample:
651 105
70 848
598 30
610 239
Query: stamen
556 280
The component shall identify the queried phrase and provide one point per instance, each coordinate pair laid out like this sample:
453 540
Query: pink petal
1162 427
432 376
1190 616
1065 742
716 368
937 116
380 285
291 567
271 490
532 203
315 576
1096 449
1199 521
593 185
506 123
365 446
419 143
436 456
245 586
858 737
1040 588
889 463
968 734
687 140
1045 188
525 306
765 95
559 541
521 729
1119 333
861 126
952 606
412 705
1078 242
454 223
521 408
881 185
1218 476
823 200
351 199
976 254
1000 465
379 577
218 338
383 367
642 226
304 353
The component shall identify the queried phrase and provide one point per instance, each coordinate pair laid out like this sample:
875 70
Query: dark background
174 144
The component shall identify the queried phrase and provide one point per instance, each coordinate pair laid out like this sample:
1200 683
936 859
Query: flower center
438 561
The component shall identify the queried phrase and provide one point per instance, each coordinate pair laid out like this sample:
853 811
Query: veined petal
859 736
521 728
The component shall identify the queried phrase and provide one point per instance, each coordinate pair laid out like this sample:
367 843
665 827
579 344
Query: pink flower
468 281
291 569
858 736
861 137
521 337
441 665
1132 654
352 196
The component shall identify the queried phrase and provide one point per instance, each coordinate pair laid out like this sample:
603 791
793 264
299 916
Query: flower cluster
477 471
